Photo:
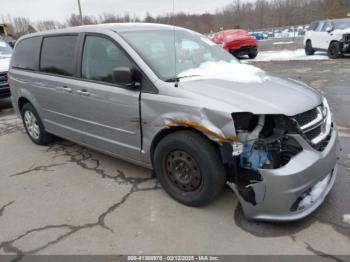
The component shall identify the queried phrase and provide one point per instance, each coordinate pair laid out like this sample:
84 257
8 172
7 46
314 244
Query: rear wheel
309 49
189 168
253 52
334 50
34 126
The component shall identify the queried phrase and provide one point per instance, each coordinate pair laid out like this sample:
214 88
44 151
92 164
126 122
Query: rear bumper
5 92
241 44
282 193
242 51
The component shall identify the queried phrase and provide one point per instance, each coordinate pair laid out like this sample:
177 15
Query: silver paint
109 119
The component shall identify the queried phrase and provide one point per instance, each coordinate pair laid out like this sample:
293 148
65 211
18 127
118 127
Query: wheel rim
183 171
333 50
32 125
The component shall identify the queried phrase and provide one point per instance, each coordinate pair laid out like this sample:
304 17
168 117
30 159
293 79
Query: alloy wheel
32 125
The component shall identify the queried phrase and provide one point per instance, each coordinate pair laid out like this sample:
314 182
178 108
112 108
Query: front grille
347 38
307 117
315 125
312 134
3 80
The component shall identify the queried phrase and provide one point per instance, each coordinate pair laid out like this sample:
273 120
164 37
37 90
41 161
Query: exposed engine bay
263 143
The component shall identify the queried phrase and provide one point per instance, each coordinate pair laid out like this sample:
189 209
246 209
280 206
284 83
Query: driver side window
320 26
100 57
325 26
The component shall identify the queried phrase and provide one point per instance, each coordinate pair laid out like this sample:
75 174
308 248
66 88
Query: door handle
83 92
65 89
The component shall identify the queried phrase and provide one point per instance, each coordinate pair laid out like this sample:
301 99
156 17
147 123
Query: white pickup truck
332 36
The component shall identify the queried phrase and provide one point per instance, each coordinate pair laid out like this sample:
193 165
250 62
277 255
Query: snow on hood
341 31
276 96
4 63
233 71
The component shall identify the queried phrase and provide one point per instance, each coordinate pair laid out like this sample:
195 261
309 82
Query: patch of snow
341 31
283 43
288 55
316 193
233 71
346 218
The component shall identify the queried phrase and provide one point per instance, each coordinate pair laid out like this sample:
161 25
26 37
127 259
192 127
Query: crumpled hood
271 95
4 63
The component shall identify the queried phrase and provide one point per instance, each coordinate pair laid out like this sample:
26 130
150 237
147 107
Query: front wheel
334 50
189 168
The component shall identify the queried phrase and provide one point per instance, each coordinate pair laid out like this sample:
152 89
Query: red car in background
238 42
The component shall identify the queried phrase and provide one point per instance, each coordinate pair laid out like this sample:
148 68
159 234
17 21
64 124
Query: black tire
253 52
43 137
334 50
205 176
309 49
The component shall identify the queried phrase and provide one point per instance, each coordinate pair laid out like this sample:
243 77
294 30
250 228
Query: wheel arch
25 96
308 40
21 102
167 131
333 41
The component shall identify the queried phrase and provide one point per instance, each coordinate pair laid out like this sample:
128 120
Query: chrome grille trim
320 118
317 130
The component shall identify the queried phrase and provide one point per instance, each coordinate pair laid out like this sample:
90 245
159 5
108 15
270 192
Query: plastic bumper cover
281 188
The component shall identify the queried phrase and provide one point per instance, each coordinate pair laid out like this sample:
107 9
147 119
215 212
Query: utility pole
80 13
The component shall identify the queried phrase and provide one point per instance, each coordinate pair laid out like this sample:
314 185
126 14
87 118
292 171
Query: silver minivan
168 98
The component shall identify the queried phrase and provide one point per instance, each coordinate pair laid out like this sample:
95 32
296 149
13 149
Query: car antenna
175 56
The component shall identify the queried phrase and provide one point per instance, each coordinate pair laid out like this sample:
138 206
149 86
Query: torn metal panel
166 113
205 128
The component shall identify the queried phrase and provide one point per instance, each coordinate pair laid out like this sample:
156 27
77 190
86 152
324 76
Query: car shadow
5 103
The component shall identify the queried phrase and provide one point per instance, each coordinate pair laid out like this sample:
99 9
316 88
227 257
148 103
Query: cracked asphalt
67 199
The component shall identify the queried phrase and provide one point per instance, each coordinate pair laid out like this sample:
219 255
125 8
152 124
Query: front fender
217 125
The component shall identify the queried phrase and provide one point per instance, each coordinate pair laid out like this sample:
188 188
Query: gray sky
60 9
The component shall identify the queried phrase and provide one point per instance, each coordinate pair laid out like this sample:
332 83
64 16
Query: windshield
5 49
342 24
157 47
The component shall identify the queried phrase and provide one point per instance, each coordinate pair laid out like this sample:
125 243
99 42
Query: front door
108 114
319 36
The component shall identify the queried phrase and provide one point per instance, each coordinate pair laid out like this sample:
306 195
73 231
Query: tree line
238 14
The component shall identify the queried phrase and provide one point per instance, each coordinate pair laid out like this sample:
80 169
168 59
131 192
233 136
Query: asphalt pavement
67 199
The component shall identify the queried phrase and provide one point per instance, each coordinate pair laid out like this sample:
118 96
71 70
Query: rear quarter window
24 56
57 55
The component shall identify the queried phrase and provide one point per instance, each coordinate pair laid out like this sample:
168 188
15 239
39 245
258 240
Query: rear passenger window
57 55
25 52
100 57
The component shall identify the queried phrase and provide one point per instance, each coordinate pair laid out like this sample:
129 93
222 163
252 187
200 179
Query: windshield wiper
177 79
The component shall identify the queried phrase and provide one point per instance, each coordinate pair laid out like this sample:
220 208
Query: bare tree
48 25
238 14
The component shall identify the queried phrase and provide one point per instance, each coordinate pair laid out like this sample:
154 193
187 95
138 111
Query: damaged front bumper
295 190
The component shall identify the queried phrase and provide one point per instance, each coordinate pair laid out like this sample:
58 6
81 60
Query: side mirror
125 76
329 29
